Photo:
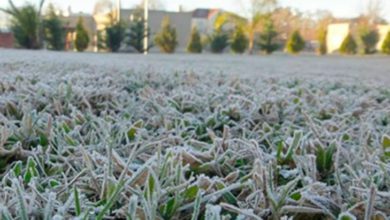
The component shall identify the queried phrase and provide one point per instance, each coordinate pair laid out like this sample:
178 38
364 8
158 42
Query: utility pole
118 8
146 17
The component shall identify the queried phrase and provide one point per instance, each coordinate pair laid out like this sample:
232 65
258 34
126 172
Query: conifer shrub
349 45
54 32
239 42
219 41
386 44
82 38
267 38
322 48
369 39
296 43
135 38
114 36
166 39
195 44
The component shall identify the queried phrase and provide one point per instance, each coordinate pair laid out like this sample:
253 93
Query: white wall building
336 35
383 30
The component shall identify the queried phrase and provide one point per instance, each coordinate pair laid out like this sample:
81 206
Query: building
204 20
383 30
180 20
336 35
338 32
6 39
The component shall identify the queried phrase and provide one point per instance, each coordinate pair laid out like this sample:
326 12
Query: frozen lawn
114 136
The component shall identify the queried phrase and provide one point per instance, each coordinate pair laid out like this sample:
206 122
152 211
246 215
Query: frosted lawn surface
114 136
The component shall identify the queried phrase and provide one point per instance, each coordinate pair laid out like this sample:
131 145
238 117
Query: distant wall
383 30
336 35
6 40
180 20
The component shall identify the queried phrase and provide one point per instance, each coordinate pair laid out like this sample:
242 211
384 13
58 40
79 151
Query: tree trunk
251 43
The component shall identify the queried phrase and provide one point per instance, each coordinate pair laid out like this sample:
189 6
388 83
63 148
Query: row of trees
365 43
239 42
217 42
32 30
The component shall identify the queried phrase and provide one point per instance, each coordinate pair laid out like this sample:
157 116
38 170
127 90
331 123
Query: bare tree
262 6
374 10
153 4
256 11
103 7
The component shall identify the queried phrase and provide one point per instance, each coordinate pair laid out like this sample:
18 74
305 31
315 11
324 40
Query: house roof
201 13
204 13
72 20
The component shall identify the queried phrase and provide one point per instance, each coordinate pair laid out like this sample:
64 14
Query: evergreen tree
368 38
54 31
323 48
166 39
82 38
114 36
195 44
267 38
239 43
136 35
219 40
349 45
296 43
386 44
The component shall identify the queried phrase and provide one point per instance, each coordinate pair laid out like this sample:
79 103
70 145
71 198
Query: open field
355 69
116 136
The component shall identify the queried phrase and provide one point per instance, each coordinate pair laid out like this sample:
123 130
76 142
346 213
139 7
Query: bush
114 36
26 25
101 40
166 39
195 44
137 35
369 39
386 44
219 40
267 38
82 38
239 42
349 45
54 31
296 43
322 48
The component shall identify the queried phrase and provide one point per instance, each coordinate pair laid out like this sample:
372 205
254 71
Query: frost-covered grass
80 141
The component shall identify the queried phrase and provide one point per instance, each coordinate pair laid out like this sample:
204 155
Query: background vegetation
296 43
82 38
349 45
195 44
166 39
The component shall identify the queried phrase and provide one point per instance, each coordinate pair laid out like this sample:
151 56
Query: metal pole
146 17
118 13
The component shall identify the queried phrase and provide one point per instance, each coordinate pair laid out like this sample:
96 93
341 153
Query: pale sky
340 8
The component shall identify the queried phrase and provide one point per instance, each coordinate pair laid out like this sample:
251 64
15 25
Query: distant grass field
83 140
